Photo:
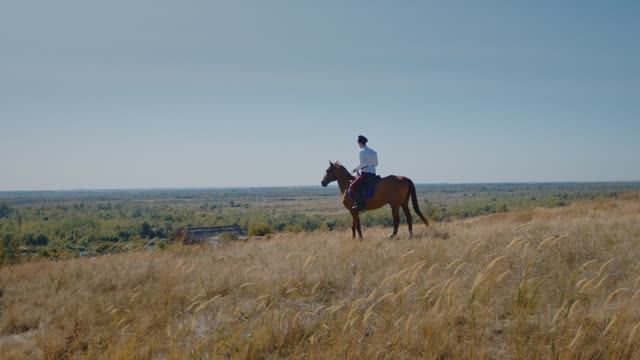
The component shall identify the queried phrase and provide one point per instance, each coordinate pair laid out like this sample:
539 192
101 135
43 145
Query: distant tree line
96 226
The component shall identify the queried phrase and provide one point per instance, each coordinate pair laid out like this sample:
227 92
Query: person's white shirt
368 160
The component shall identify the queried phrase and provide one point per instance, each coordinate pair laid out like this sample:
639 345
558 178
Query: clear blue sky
121 94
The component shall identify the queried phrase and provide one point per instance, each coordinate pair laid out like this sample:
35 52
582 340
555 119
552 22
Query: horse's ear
330 163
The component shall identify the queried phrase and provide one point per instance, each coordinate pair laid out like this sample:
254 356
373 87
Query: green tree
40 240
146 231
5 210
9 249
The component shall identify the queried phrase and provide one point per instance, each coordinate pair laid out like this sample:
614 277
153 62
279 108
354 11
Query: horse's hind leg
407 215
353 226
395 211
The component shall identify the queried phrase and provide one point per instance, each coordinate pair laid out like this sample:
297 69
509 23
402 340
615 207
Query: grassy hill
536 283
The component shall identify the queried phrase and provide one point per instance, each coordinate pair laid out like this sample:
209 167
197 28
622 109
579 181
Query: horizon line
186 188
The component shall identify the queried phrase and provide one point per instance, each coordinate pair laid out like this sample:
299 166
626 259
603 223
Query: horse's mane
344 169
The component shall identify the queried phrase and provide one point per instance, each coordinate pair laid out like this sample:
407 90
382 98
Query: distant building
207 234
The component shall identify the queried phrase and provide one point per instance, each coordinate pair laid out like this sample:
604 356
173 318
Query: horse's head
331 174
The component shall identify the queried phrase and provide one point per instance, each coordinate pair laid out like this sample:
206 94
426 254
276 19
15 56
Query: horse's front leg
356 221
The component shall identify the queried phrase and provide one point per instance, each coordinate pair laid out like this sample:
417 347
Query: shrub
228 237
124 235
44 253
9 249
146 231
40 240
259 230
103 248
294 228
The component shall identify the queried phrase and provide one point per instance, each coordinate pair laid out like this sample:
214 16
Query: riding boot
358 204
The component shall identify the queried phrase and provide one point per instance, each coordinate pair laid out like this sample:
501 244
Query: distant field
534 283
73 223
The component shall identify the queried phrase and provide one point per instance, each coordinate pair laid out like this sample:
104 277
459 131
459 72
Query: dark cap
362 140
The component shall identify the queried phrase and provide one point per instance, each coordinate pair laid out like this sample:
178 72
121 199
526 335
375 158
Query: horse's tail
414 201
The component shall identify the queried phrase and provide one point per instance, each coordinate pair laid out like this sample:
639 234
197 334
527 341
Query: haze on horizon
159 94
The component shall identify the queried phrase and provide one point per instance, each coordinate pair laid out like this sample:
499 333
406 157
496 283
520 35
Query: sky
163 94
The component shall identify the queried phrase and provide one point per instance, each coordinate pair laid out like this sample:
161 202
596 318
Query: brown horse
392 190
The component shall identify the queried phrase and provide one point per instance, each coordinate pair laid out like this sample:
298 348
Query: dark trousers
357 183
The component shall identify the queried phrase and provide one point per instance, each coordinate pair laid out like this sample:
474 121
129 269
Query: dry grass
559 283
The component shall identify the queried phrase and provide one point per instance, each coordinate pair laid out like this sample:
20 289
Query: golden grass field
541 283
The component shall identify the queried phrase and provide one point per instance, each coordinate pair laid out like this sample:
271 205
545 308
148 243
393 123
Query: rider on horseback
367 168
